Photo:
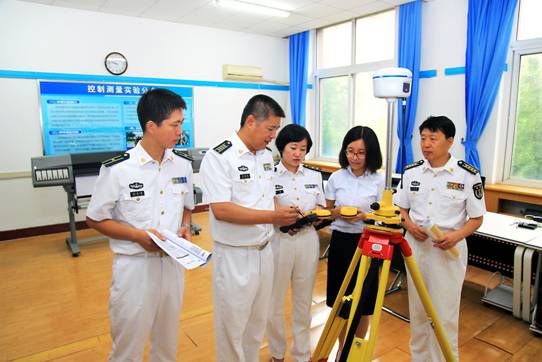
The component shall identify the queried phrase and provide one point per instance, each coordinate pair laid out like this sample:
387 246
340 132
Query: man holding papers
146 189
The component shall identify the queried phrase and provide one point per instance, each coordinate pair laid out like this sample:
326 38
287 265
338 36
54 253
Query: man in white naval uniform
238 184
448 192
148 188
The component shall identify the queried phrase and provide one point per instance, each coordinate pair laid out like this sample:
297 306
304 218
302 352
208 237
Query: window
347 56
523 156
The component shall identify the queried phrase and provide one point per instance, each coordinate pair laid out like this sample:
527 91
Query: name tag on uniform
279 189
179 180
311 186
244 176
137 193
267 166
455 186
414 188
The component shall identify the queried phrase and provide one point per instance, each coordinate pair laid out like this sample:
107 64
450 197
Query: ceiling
304 15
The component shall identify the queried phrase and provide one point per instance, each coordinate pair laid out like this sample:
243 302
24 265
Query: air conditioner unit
241 72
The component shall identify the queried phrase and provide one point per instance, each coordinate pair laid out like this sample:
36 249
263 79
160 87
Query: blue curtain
299 60
410 35
488 37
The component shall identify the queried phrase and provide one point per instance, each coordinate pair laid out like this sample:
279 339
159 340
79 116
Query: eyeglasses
352 154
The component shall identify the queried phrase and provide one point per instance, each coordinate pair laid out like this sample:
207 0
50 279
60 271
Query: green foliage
527 155
333 114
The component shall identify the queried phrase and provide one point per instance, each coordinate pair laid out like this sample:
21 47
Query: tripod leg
356 294
429 308
360 348
331 329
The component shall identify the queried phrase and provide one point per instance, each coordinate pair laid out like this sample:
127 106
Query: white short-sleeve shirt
302 188
143 193
447 195
231 173
347 189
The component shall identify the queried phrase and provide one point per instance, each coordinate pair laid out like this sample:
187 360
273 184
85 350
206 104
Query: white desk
518 297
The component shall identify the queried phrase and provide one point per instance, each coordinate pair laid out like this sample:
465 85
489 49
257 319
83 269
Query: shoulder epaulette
314 168
183 154
467 167
221 148
117 159
414 164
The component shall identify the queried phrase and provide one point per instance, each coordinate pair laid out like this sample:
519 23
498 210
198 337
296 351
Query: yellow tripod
377 241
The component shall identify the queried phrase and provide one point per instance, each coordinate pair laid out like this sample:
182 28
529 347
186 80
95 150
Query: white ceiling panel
305 14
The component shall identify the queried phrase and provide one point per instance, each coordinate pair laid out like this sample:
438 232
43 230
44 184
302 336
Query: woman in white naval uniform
295 253
356 184
448 192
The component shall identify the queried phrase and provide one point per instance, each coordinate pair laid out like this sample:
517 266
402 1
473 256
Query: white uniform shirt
144 194
302 189
348 189
447 195
244 178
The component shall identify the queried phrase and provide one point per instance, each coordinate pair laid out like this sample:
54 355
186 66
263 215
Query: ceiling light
253 8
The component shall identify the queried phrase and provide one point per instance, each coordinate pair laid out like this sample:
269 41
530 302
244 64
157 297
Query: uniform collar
281 169
450 166
349 169
240 147
143 157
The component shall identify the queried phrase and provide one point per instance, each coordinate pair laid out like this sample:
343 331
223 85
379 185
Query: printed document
187 254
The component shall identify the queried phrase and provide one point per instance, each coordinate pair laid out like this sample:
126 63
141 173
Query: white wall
43 38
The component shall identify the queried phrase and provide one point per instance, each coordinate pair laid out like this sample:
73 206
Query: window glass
526 155
375 37
334 46
529 24
334 118
370 111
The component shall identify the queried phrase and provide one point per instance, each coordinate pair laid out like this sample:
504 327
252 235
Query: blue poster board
94 117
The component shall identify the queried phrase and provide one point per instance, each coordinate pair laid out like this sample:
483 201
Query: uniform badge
279 187
267 167
244 176
415 188
415 183
242 168
455 186
136 185
137 193
278 192
478 190
311 186
179 180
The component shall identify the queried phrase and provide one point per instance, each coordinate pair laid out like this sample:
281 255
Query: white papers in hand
184 252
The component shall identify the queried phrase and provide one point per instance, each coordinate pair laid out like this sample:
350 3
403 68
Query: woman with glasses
295 253
357 184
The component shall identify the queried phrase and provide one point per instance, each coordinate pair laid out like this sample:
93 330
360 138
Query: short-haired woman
295 253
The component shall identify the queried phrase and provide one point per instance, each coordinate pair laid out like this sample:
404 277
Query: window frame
518 48
349 71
